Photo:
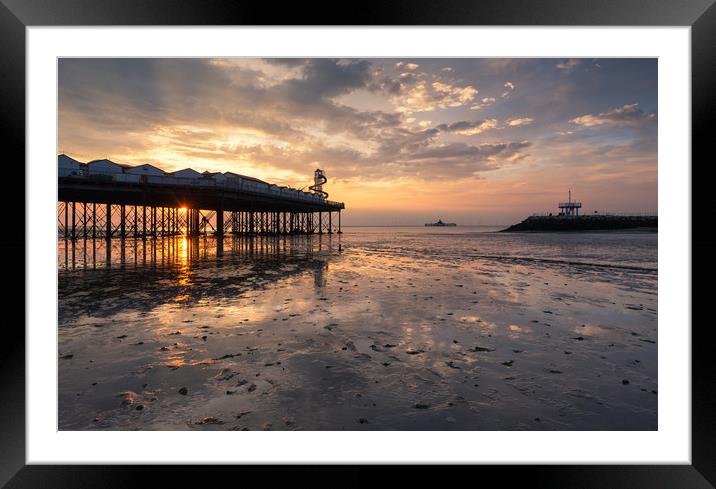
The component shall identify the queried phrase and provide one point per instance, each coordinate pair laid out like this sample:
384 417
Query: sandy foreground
350 333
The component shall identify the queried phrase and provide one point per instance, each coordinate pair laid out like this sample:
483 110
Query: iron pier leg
84 220
121 221
220 222
339 223
108 229
94 222
73 220
330 222
67 228
320 223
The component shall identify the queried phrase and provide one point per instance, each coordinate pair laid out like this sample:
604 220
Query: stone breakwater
583 223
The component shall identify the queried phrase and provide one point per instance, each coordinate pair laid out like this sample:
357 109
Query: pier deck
93 206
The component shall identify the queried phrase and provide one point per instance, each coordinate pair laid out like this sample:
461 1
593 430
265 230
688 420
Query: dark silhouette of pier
127 204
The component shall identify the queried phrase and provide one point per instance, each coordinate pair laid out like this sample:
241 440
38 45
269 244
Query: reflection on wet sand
98 253
351 332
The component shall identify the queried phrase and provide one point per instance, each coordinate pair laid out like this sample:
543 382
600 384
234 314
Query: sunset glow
402 141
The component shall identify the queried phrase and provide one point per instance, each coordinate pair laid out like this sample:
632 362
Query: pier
103 199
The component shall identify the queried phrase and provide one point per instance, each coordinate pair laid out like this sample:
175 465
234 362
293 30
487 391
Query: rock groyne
583 223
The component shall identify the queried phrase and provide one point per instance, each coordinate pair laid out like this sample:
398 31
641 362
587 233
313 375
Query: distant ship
440 223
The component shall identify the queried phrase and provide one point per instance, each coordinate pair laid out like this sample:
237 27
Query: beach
374 329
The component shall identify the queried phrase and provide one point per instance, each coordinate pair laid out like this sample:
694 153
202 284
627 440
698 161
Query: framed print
268 239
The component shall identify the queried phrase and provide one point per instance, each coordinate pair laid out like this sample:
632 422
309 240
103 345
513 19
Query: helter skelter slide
319 179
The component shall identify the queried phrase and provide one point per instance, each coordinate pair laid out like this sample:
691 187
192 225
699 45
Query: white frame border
670 444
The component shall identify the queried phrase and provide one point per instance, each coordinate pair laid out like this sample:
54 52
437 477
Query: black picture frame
16 15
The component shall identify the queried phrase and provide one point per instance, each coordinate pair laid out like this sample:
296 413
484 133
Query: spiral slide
319 179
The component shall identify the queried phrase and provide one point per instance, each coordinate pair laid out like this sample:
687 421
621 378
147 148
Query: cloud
484 102
465 128
413 93
568 65
627 115
520 121
472 128
407 66
510 88
468 159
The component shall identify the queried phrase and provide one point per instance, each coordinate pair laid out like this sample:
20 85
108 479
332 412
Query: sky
402 141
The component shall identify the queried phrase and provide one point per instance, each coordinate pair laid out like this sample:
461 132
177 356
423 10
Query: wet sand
355 332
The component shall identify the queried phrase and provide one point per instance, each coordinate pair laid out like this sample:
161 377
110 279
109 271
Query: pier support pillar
220 222
108 228
330 223
73 221
67 229
121 221
84 220
339 223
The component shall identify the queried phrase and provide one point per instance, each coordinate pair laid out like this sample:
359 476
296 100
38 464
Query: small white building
104 167
218 177
186 173
246 183
67 166
146 170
